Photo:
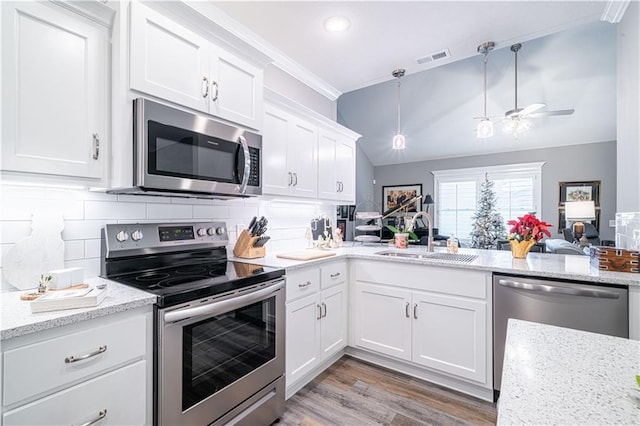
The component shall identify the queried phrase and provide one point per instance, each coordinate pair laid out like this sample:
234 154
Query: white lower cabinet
433 317
317 321
94 370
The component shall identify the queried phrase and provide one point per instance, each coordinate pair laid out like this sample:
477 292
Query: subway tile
23 209
73 250
113 210
14 231
211 212
169 211
240 212
92 248
82 229
91 266
21 192
192 201
126 198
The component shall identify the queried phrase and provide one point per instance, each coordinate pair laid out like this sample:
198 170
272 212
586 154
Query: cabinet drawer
43 366
302 282
120 395
333 274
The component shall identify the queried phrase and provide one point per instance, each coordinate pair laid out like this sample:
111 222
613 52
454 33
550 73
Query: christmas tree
489 226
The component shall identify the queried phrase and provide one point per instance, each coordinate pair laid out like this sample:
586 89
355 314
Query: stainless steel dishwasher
596 308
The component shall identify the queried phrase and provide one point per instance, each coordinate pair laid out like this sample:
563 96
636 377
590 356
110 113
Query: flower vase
519 249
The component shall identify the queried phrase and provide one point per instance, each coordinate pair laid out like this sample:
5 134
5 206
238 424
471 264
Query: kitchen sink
443 257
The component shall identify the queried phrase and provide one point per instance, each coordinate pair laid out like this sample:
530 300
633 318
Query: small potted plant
525 232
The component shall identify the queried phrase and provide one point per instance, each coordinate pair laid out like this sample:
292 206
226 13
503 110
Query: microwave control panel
254 169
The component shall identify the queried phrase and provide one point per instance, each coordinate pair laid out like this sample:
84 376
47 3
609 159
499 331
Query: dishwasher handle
570 291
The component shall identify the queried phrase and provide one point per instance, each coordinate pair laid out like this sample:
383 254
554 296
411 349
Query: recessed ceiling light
337 24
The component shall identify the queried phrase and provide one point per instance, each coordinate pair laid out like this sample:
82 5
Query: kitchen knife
261 241
253 222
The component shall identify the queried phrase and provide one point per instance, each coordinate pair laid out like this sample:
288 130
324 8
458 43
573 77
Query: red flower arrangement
528 227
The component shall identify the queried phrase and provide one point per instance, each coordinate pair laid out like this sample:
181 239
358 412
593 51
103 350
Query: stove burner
170 282
191 270
152 276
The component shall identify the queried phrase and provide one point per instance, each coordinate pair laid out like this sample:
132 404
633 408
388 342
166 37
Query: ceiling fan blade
532 108
556 112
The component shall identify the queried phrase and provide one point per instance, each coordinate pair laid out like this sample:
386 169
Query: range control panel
121 239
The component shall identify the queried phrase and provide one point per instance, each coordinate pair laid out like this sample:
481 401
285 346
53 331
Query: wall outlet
612 223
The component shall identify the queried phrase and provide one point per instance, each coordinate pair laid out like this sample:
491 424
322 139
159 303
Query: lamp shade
580 210
427 199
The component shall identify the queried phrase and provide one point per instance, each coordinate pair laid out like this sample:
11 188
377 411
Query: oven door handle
223 306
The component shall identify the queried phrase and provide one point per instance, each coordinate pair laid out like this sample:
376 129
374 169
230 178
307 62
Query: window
517 189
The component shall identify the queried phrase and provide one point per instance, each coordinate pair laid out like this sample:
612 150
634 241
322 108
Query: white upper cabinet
336 167
54 91
172 63
289 155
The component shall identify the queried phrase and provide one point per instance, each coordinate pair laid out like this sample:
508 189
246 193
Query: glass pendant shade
516 126
398 142
485 129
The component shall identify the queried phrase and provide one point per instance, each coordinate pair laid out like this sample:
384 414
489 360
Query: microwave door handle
247 164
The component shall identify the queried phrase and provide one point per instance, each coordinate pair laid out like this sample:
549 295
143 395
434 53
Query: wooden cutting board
306 254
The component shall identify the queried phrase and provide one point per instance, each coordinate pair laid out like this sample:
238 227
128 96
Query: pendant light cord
485 83
398 103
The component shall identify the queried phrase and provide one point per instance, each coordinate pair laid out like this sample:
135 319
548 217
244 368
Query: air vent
434 56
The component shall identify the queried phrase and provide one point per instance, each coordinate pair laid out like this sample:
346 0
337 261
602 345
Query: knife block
244 247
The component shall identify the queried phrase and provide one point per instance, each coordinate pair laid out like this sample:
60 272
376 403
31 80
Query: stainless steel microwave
181 153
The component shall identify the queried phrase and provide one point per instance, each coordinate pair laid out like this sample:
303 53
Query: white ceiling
385 35
568 60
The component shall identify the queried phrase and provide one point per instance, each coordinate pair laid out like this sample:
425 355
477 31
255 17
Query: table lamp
427 201
577 212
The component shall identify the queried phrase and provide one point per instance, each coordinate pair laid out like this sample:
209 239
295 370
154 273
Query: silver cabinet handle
295 181
337 186
406 310
70 359
415 311
101 415
214 84
307 284
319 311
337 274
325 309
205 86
247 164
96 146
341 187
571 291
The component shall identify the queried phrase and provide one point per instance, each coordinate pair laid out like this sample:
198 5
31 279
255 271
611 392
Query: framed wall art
394 196
580 191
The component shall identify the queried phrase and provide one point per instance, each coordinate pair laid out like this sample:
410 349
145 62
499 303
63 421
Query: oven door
214 355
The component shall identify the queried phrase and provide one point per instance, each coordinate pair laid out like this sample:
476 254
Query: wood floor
352 392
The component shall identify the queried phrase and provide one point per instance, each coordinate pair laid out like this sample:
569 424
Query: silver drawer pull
337 274
71 358
205 86
101 415
307 284
96 146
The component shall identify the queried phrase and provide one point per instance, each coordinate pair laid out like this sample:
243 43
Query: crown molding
614 10
280 60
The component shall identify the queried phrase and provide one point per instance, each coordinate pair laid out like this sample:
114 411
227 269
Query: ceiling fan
516 119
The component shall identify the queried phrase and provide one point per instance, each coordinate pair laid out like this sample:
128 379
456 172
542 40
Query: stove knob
202 232
122 236
220 230
210 231
136 235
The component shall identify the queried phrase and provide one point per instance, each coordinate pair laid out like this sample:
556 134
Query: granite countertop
555 375
16 318
542 265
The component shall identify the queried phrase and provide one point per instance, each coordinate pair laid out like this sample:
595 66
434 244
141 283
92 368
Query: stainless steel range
219 339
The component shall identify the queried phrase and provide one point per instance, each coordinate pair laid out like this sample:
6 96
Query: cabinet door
346 170
167 60
302 150
328 186
303 337
276 176
54 84
449 335
334 320
382 319
236 90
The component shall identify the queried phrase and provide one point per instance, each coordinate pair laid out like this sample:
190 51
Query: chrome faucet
429 225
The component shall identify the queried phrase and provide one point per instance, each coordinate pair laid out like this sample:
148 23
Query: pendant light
398 139
485 126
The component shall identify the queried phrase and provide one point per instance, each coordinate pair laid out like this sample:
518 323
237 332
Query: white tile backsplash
86 212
